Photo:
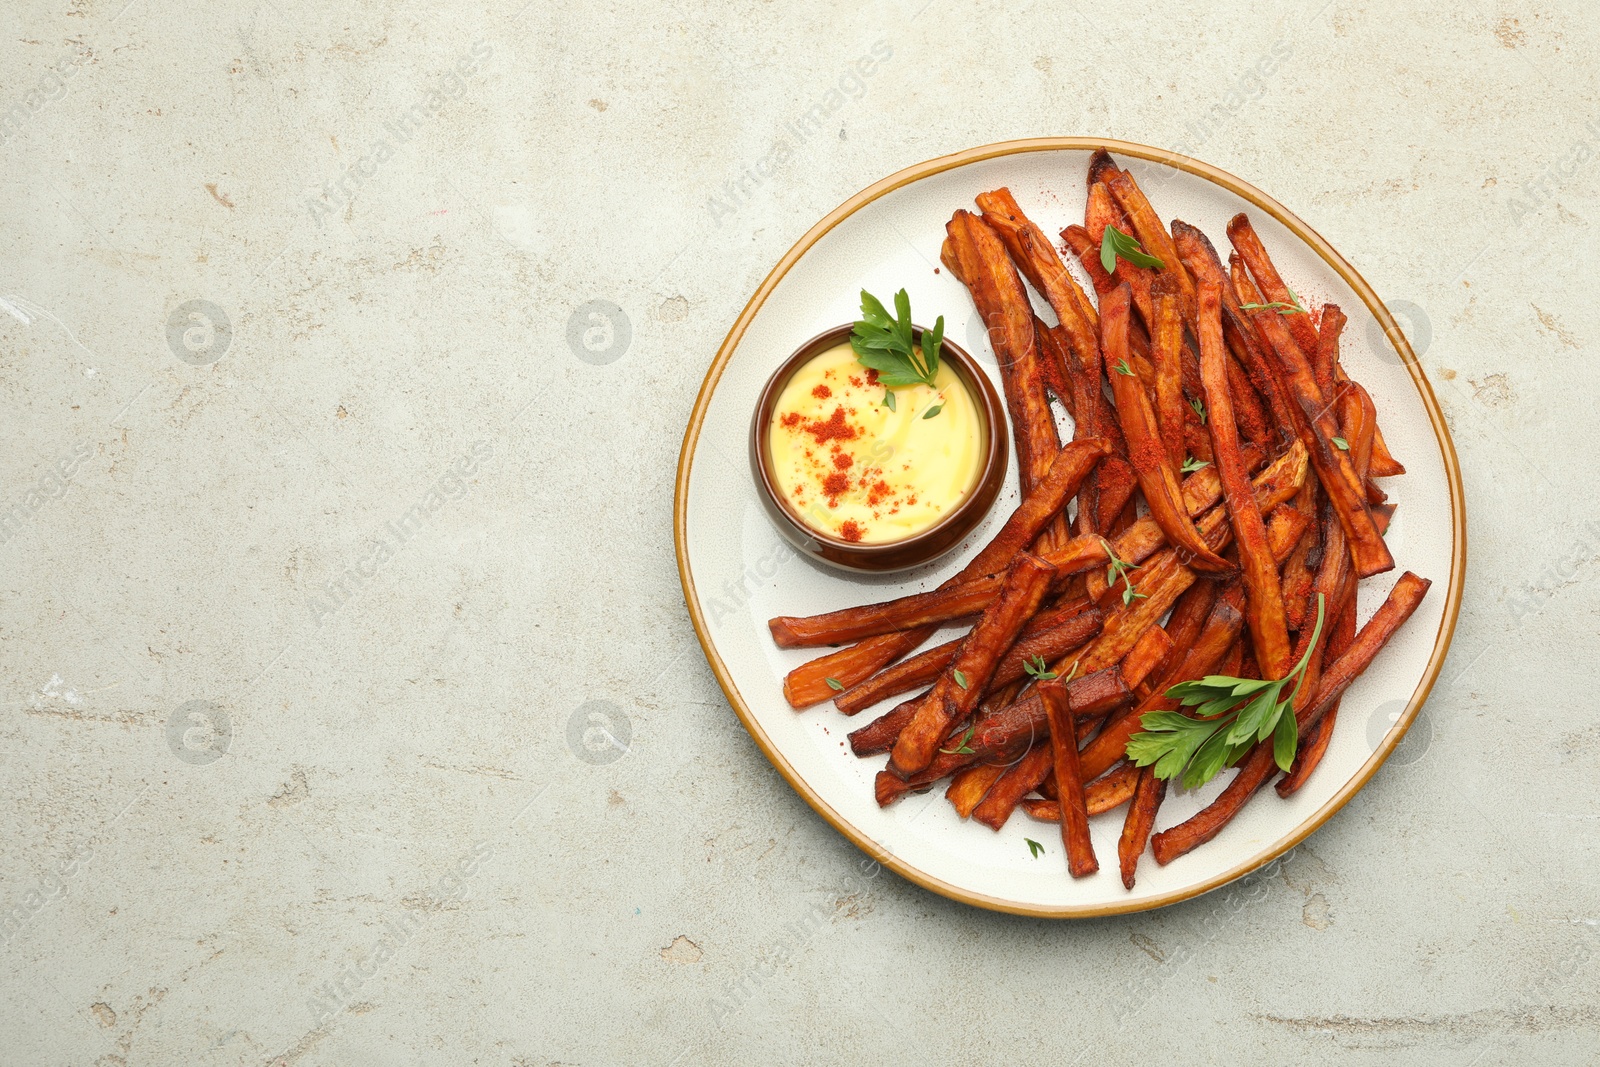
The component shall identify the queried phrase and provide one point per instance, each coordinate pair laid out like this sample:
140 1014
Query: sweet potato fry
1315 744
1159 483
1166 341
1081 861
1019 779
1257 767
1153 235
1222 627
1316 428
937 606
976 255
1326 358
1147 797
1049 634
1269 633
1100 796
1002 737
808 683
1200 258
969 785
1254 254
1146 654
1183 626
1039 262
957 691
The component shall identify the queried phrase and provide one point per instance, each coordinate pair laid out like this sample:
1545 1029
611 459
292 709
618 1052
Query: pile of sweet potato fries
1223 465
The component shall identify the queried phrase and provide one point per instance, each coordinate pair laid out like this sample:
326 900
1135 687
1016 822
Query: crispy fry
1257 767
1222 627
1315 744
976 255
1255 257
1146 654
1189 614
1326 357
1049 634
1075 839
1159 483
1019 779
1147 797
1104 794
1153 235
808 684
1039 262
1166 341
956 692
1316 428
1269 633
969 785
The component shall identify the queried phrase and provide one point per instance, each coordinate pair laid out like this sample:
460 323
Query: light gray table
344 355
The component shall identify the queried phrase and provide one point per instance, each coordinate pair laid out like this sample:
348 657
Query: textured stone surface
285 780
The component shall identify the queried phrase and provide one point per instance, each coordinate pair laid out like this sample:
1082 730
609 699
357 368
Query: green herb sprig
1190 464
1038 669
1034 847
1279 306
1120 570
1115 245
962 748
886 344
1233 716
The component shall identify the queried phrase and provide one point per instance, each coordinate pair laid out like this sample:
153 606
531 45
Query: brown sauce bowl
919 548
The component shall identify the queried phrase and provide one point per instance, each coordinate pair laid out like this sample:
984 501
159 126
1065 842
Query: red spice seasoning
851 530
821 392
834 429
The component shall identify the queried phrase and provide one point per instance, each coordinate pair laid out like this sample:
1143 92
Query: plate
737 571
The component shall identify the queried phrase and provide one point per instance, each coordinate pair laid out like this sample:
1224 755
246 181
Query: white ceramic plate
737 572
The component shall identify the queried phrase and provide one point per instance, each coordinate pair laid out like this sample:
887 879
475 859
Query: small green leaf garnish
1281 307
1034 847
1038 669
1123 368
1118 569
1232 716
963 749
888 399
1344 446
931 412
1199 409
1190 464
961 679
1114 245
834 684
887 344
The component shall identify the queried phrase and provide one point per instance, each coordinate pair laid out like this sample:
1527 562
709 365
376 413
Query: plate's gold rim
1259 199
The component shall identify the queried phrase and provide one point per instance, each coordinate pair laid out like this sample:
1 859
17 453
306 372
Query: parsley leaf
1190 464
961 679
1231 716
1038 669
888 399
931 412
1115 245
1034 847
885 343
834 684
1344 446
1199 409
1123 368
1280 306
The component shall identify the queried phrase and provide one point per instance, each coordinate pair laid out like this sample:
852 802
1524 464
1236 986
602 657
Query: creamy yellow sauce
858 471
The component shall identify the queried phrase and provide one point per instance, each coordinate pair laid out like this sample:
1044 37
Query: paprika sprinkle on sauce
856 469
